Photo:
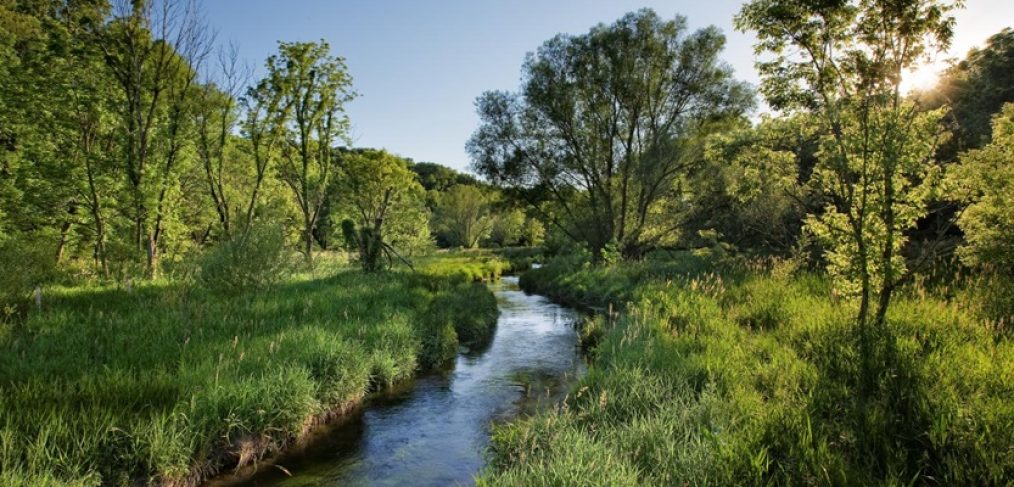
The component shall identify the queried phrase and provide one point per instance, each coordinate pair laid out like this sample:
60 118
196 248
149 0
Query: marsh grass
170 382
733 373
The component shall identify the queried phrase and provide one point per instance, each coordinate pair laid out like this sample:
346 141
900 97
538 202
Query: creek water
435 429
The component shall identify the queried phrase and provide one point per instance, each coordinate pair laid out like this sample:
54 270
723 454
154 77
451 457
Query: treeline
636 137
131 140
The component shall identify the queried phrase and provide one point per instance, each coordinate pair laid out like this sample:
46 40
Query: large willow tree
603 127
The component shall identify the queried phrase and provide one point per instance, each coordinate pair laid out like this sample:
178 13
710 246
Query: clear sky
419 64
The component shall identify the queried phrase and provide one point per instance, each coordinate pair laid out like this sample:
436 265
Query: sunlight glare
923 77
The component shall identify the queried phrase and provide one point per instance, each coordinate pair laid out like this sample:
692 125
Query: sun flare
922 77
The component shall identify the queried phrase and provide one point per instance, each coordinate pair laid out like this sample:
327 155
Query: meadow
734 372
170 382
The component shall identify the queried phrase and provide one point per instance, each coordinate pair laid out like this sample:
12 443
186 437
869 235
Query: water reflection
434 430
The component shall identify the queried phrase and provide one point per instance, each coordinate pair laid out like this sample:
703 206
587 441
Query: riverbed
435 430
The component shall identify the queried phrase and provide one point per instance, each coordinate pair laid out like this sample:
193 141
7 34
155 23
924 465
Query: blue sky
419 64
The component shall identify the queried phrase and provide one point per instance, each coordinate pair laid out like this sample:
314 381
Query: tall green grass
465 265
168 383
733 374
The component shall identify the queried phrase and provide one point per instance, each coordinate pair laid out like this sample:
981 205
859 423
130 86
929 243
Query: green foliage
580 136
462 216
864 228
435 177
310 88
610 254
255 259
984 181
533 234
466 266
508 227
752 187
24 266
747 374
384 200
842 62
974 90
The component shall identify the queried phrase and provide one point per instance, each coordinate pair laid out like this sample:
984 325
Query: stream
434 430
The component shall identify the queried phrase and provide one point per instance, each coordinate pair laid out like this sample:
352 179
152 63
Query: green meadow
168 383
735 372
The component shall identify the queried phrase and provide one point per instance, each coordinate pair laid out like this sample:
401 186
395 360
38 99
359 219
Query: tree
435 177
975 89
378 193
264 130
844 62
55 100
984 181
217 117
462 216
308 87
534 232
752 186
152 49
604 126
15 27
508 227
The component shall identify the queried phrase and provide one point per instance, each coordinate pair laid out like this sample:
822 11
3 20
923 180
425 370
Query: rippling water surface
434 430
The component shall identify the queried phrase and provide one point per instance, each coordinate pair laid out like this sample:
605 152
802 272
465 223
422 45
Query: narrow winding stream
434 430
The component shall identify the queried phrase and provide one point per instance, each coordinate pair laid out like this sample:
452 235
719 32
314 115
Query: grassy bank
467 265
169 383
748 374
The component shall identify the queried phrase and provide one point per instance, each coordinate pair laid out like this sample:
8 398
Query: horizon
419 69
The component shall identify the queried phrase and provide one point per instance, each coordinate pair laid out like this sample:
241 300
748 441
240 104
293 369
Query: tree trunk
100 247
151 250
100 224
370 249
308 240
863 320
63 240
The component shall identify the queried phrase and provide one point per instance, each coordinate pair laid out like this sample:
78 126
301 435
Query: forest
806 281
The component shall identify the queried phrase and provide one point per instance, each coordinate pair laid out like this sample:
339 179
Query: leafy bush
252 260
23 266
984 180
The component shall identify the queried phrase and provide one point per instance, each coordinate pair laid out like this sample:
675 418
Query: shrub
23 266
251 260
984 180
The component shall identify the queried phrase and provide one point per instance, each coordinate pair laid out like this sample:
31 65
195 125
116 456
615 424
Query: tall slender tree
217 118
308 87
844 62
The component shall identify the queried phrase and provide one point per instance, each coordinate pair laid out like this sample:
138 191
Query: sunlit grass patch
749 373
169 381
